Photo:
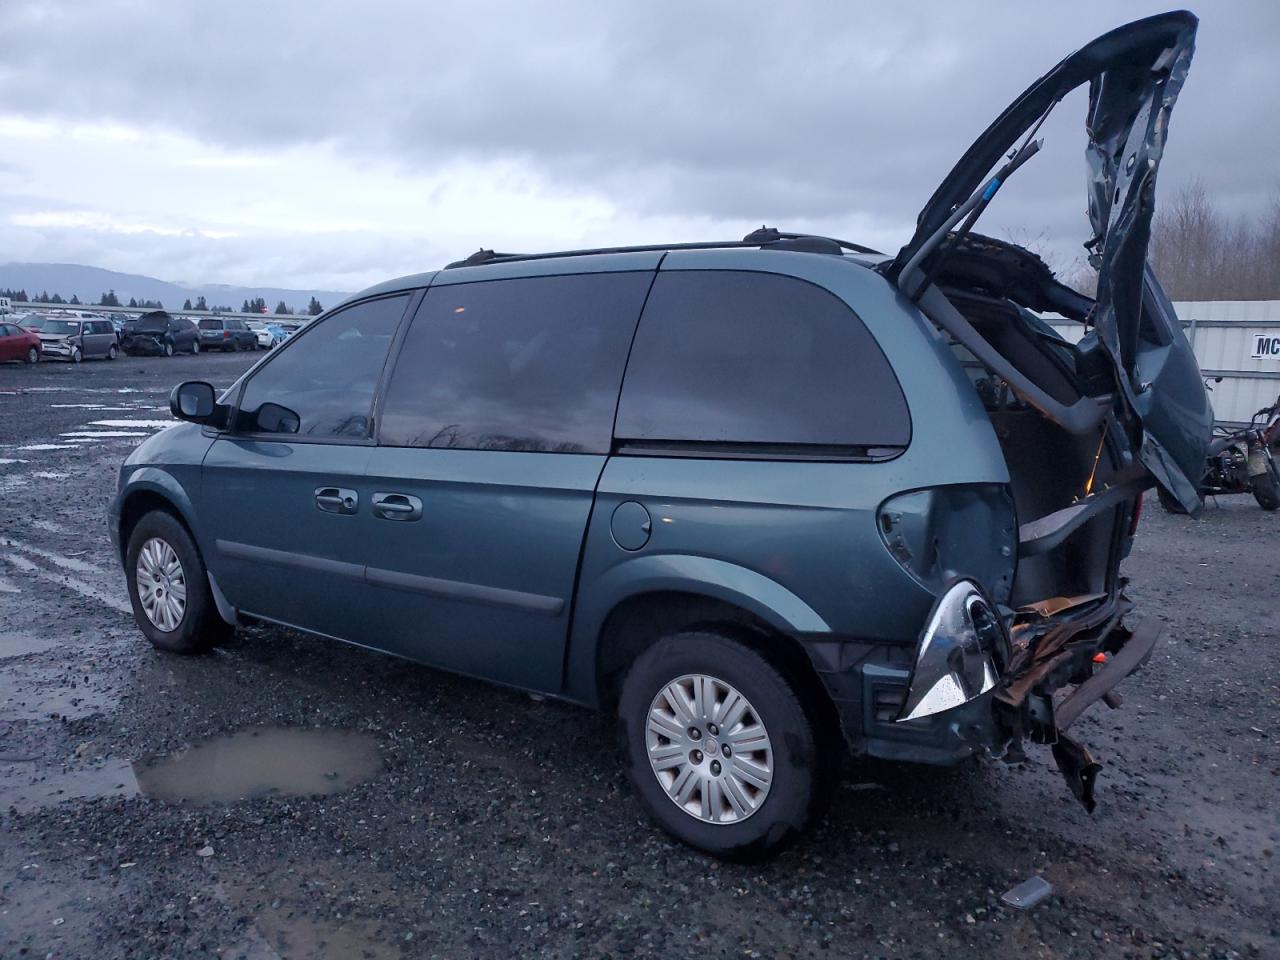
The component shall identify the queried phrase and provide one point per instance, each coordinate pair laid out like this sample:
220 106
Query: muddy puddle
255 762
262 762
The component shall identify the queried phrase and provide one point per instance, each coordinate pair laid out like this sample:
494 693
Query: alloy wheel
33 355
709 749
162 585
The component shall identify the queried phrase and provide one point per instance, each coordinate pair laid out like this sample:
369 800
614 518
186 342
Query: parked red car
18 344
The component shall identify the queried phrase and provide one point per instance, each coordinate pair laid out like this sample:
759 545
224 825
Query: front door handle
396 506
337 500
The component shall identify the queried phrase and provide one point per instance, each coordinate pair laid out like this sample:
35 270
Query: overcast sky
334 144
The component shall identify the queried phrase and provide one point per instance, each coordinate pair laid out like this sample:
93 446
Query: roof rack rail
766 238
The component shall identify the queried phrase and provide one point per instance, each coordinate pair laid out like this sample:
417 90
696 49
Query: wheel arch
150 489
640 620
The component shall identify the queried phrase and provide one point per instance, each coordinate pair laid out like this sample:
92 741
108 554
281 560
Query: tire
1169 501
235 346
33 355
197 627
76 355
727 666
1266 488
112 352
195 347
168 348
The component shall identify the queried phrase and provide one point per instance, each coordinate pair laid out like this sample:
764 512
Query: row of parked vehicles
84 336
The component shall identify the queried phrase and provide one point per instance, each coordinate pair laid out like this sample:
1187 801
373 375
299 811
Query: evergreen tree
75 300
314 309
200 304
133 302
56 298
186 305
283 308
109 299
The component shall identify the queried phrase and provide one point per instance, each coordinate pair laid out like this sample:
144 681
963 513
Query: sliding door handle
396 506
337 500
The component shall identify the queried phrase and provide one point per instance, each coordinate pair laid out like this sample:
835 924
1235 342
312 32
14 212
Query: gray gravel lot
444 817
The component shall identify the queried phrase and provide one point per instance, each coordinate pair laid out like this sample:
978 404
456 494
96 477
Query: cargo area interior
1050 468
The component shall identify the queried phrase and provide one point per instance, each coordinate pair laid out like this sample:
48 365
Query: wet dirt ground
394 811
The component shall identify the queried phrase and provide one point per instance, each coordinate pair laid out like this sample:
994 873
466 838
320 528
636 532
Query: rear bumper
868 685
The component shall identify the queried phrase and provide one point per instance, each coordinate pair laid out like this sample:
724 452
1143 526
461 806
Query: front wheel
169 588
718 745
168 348
1266 488
76 355
33 355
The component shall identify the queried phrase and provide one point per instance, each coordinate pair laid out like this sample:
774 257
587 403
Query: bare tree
1200 253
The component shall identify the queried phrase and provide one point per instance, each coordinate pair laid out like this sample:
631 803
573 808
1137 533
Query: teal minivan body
773 501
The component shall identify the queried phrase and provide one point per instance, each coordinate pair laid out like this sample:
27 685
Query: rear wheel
33 355
1266 488
718 746
112 352
195 347
169 588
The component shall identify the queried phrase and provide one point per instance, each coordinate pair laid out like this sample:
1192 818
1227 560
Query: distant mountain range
90 283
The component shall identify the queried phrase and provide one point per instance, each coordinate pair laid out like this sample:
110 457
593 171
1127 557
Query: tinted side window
527 364
328 378
756 358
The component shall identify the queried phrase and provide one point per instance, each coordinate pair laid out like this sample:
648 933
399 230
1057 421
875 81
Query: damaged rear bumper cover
971 686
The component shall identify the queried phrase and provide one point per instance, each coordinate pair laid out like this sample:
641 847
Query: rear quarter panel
794 542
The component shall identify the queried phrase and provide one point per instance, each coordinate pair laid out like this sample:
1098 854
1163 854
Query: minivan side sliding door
494 429
283 492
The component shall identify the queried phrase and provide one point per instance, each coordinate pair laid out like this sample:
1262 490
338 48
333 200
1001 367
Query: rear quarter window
759 360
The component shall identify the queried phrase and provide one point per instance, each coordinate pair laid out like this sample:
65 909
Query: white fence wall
1238 340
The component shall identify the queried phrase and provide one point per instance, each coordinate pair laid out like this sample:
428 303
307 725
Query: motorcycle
1242 461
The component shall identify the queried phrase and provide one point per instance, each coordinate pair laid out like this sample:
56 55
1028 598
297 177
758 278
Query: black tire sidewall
794 790
33 355
1265 490
201 624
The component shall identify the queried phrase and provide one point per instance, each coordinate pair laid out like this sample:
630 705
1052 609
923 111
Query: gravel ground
443 817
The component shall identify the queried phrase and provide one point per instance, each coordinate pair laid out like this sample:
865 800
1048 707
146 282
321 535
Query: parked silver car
74 339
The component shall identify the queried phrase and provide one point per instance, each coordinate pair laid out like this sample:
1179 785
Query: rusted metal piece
1078 768
1131 656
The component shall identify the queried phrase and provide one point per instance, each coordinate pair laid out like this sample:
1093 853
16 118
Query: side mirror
274 418
194 401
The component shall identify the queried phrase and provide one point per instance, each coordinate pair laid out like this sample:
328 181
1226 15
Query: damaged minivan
770 501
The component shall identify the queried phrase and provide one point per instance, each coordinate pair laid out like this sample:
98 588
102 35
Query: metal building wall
1224 335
